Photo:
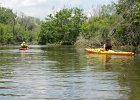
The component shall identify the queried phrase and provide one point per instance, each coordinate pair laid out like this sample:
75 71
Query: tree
64 26
101 24
14 29
6 15
130 12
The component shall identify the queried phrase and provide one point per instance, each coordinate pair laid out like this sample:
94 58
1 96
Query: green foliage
119 21
6 15
6 36
14 29
99 26
130 11
64 26
136 18
107 10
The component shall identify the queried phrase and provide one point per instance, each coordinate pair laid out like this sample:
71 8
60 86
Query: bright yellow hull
111 52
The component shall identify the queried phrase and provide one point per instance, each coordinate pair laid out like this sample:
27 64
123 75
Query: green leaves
6 15
64 26
99 25
15 28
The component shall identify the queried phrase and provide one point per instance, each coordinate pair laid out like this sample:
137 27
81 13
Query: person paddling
107 45
24 45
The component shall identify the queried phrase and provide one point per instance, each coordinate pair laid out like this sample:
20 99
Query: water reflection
68 59
67 73
125 67
109 60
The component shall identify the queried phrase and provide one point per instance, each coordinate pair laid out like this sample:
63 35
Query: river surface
67 73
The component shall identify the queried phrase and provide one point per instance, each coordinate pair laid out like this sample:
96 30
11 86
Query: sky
42 8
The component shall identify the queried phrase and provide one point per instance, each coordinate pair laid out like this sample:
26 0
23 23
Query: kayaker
24 45
107 45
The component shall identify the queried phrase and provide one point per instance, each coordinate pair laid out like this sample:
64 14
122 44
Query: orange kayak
23 48
110 52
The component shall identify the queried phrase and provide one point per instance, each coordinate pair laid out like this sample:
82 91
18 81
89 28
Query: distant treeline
119 21
17 28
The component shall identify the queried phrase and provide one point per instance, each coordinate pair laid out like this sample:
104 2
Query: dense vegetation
128 29
15 29
119 21
64 26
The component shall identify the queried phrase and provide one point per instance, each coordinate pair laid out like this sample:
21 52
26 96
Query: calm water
67 73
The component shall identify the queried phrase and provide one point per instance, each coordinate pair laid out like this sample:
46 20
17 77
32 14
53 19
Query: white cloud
41 8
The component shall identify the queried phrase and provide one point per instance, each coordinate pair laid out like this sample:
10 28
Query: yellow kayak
111 52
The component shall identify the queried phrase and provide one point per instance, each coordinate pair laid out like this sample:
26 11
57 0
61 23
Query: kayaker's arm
104 46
